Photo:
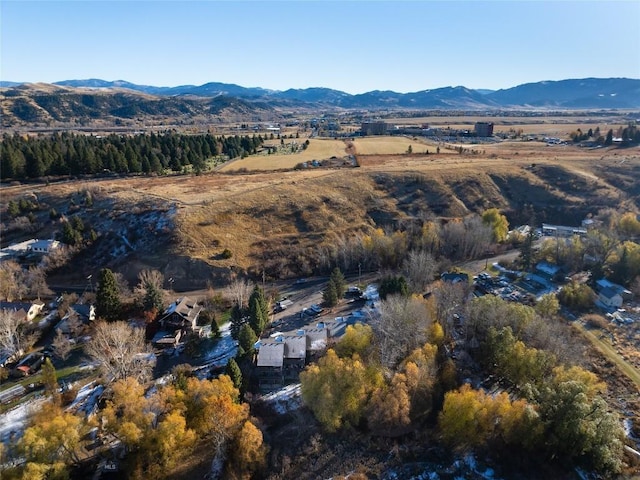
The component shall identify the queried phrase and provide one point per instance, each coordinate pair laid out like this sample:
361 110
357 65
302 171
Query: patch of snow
224 349
12 423
287 399
87 399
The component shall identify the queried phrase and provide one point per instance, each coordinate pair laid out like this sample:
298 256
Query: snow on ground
225 348
286 399
87 398
12 422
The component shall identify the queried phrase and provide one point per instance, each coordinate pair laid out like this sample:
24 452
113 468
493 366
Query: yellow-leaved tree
51 442
337 389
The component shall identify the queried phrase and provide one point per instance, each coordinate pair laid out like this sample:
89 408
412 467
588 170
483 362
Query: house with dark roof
269 364
84 313
603 283
181 315
609 298
454 277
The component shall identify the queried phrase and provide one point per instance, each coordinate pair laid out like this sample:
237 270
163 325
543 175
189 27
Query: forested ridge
71 154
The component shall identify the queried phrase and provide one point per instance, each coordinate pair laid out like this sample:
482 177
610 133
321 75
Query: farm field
318 149
388 145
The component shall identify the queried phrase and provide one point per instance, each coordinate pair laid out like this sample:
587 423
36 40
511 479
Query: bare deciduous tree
120 351
465 239
239 291
36 282
61 346
419 268
15 333
11 281
402 326
450 300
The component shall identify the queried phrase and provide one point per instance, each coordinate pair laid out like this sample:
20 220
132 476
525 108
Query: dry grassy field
388 145
548 125
318 149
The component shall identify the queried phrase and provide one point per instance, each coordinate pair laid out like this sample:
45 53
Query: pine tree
258 310
107 296
329 295
152 298
237 320
246 339
339 283
609 140
234 372
215 330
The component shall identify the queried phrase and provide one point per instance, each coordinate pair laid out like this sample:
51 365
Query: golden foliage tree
51 442
390 407
337 389
248 452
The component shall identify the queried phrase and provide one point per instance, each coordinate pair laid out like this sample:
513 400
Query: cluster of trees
610 250
157 429
248 320
629 135
396 375
70 154
17 283
416 249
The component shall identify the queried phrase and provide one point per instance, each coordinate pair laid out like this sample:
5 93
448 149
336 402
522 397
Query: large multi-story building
484 129
374 128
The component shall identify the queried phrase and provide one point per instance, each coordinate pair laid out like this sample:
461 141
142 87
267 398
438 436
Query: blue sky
354 46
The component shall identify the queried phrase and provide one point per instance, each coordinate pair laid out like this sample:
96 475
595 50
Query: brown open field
548 125
388 145
286 215
318 149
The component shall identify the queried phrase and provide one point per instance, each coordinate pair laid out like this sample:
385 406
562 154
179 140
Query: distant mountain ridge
93 99
572 93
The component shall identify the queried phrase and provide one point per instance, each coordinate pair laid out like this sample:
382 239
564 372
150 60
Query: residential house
295 356
269 365
604 283
547 270
83 313
181 315
25 310
609 298
454 277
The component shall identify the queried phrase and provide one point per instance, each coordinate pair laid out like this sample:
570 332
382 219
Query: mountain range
576 93
92 99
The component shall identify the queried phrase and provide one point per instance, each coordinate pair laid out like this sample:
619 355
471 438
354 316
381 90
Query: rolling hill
94 99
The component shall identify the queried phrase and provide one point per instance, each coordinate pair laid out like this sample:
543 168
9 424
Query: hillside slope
285 223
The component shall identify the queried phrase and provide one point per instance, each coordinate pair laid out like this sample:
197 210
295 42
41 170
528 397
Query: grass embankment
610 353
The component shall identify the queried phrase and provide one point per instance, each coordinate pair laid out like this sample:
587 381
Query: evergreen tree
609 140
107 296
329 295
258 310
246 339
215 329
526 250
237 320
152 298
339 283
234 372
49 378
393 286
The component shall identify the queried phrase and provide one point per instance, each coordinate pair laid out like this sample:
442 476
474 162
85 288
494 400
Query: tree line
66 153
